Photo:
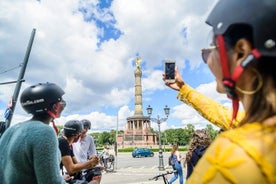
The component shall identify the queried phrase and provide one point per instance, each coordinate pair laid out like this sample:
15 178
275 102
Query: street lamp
159 120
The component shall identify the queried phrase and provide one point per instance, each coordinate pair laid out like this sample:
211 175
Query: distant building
138 131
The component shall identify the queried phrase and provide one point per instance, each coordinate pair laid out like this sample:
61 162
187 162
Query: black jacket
196 155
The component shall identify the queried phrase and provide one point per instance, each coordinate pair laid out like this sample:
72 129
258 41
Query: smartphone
170 71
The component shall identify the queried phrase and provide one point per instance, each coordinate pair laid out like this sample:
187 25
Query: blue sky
89 47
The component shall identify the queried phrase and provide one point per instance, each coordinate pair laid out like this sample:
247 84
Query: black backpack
170 160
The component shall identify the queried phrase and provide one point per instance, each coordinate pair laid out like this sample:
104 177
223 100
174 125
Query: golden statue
138 61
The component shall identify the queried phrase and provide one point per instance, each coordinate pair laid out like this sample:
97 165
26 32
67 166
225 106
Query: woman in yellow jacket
242 58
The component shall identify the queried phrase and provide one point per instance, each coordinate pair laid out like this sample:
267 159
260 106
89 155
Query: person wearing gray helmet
85 147
71 133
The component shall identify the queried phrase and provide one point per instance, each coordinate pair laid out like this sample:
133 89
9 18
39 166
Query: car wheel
151 155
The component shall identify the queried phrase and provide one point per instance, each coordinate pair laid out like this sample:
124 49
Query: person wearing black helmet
71 133
29 150
242 57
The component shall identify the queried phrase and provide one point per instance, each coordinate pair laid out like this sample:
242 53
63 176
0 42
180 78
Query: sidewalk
135 176
131 176
138 170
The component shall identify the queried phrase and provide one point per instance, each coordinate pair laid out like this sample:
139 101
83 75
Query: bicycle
163 175
108 163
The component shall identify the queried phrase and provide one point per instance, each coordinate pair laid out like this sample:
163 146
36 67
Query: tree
212 132
170 136
104 138
60 128
96 136
112 137
189 131
179 135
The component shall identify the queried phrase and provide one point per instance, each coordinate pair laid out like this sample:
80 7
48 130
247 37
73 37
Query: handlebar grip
154 178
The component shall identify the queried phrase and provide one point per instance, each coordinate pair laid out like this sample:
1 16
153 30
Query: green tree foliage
184 135
189 131
213 133
104 138
96 136
179 135
59 127
112 137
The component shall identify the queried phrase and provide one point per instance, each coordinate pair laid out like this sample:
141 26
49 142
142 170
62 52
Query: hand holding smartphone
170 71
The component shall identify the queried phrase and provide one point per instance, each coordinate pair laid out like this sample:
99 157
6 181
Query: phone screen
170 70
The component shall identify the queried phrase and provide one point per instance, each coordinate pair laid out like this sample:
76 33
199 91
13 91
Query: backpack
170 160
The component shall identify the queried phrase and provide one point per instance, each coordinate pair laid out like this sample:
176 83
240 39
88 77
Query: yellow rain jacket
244 155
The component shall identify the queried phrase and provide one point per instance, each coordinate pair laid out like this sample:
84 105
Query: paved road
136 170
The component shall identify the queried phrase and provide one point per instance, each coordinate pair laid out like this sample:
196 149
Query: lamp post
159 120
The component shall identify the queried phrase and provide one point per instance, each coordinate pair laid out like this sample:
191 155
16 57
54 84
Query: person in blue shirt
177 165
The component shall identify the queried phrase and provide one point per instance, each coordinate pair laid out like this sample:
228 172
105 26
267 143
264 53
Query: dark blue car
142 152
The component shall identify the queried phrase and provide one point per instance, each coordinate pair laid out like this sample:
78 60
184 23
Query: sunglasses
62 103
206 52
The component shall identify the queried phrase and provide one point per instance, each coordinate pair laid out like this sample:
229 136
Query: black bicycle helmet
86 123
72 128
229 17
40 97
257 14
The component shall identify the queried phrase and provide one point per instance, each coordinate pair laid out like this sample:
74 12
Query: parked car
142 152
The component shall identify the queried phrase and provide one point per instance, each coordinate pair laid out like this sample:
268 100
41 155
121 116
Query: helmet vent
269 44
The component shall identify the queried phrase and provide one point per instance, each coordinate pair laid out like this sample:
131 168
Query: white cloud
65 50
153 81
101 121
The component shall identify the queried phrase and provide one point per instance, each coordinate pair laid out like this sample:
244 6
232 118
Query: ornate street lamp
159 120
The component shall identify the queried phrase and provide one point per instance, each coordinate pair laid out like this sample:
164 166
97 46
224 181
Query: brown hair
262 104
199 138
174 148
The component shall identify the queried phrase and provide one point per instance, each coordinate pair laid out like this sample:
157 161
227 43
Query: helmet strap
52 114
55 127
229 81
